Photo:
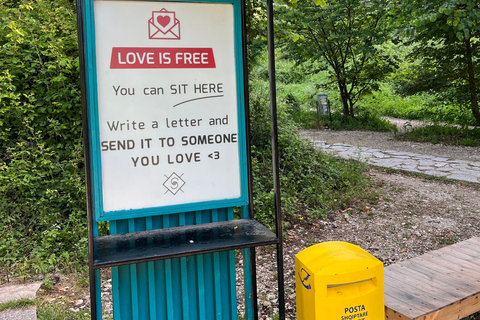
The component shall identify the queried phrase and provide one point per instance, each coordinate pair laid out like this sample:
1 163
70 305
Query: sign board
165 96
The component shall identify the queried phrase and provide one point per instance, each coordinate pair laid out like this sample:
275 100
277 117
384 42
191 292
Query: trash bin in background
323 105
338 281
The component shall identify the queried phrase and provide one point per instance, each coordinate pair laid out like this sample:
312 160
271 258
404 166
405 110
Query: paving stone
389 163
445 169
16 292
422 156
407 161
345 155
458 161
381 155
426 163
463 177
456 171
342 145
22 314
409 154
410 169
395 153
338 148
436 173
440 164
460 167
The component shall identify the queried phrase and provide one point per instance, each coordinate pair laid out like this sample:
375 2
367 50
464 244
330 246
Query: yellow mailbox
338 281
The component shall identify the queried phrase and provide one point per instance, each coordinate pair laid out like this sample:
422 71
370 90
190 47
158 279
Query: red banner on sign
162 58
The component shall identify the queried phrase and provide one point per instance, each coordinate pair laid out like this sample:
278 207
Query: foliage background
42 203
42 184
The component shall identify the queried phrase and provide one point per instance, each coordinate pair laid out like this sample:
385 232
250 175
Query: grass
309 119
45 310
446 241
48 311
17 304
443 134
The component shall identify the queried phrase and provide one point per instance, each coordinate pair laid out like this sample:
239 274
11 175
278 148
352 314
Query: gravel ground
413 215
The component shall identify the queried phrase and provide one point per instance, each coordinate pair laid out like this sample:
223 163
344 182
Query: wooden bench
442 284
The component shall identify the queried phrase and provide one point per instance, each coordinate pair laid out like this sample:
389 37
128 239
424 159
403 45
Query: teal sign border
94 131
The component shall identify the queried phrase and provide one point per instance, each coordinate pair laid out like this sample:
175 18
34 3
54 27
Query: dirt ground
413 215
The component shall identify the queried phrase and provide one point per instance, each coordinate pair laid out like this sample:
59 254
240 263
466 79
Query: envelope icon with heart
163 25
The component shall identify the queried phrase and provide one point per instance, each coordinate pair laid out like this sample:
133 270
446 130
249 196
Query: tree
447 34
347 35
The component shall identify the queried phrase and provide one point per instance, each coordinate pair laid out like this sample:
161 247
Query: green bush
42 207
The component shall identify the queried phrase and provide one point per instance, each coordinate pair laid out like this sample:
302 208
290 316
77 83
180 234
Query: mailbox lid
336 257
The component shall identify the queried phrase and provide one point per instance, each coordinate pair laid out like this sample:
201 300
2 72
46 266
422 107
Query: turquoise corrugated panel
200 287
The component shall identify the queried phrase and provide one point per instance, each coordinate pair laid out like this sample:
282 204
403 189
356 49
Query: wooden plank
436 271
446 269
391 314
462 268
395 306
471 252
464 254
422 298
456 256
470 256
429 281
458 310
440 285
459 283
404 301
472 268
473 241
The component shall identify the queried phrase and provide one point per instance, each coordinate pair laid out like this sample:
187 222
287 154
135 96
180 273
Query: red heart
163 20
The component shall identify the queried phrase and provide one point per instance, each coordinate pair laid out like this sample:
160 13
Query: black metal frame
86 146
277 240
275 158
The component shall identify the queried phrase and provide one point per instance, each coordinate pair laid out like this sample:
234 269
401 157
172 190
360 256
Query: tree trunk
352 114
344 97
471 83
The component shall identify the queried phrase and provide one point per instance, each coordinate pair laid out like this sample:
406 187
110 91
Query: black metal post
275 160
91 271
253 265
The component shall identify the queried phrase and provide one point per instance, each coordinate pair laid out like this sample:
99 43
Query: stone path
15 292
430 165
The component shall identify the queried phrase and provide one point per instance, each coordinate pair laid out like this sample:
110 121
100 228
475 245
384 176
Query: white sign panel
167 103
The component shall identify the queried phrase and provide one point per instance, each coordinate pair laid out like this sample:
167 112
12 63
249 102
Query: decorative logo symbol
304 275
163 25
174 183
